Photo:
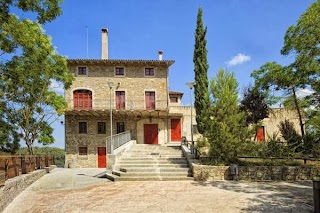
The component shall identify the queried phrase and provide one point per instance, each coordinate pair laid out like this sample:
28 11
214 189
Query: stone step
128 155
154 166
152 163
150 178
148 169
155 153
153 158
164 161
152 174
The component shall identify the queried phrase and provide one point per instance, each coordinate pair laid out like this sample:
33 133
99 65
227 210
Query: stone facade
133 82
134 116
277 115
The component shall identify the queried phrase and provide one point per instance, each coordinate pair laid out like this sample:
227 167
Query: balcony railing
129 104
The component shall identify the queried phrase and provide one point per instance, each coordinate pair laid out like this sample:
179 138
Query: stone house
136 90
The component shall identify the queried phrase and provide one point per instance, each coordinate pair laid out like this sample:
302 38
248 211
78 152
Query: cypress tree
201 67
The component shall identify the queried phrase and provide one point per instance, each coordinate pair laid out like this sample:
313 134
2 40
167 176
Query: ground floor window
83 150
120 127
101 127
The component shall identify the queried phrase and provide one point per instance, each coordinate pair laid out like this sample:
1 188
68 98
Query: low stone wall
256 173
14 186
250 173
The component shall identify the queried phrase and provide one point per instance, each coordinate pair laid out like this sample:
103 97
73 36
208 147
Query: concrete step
154 166
154 153
152 174
152 163
151 178
148 169
183 161
129 155
152 158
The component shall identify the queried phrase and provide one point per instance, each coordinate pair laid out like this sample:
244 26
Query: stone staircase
152 163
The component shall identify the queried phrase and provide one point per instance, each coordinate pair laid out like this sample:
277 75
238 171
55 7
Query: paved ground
75 190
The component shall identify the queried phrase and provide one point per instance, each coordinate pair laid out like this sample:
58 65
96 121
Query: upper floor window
150 100
101 127
83 127
119 71
82 71
148 71
120 100
174 99
82 99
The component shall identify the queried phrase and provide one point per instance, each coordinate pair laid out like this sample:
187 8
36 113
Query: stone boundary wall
255 173
14 186
250 173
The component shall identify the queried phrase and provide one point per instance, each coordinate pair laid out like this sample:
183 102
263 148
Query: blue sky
242 34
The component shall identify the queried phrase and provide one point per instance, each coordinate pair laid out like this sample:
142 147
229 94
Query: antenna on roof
87 34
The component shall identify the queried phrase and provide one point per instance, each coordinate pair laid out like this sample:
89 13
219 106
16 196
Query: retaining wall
256 173
14 186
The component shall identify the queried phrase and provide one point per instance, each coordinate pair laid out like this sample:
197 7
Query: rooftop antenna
87 34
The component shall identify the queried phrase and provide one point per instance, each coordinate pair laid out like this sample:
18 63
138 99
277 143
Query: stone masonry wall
92 140
13 187
256 173
134 83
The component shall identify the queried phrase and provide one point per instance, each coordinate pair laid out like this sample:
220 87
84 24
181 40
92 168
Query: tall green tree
31 63
302 41
228 131
202 102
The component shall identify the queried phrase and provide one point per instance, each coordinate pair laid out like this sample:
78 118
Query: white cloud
239 59
56 87
301 93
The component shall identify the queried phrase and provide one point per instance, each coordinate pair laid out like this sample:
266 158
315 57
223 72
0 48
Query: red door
102 161
260 134
151 133
175 130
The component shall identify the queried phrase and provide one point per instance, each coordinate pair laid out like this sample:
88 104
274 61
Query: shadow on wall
271 196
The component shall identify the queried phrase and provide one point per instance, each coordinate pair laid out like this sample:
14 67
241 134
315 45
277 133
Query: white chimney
160 55
104 43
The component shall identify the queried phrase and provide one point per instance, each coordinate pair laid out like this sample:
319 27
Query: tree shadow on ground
270 196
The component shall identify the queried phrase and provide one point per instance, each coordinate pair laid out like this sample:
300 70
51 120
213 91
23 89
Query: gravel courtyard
77 190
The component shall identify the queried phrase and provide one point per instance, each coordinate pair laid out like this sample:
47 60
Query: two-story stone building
139 100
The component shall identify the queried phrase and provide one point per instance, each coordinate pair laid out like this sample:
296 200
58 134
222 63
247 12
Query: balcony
129 104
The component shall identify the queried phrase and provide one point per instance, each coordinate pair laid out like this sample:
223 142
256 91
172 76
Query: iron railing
118 140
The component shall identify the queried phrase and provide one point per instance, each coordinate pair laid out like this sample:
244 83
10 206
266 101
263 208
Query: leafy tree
31 65
228 133
202 102
302 41
277 77
254 106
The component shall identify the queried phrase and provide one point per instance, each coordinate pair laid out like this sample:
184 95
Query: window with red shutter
82 99
150 100
120 100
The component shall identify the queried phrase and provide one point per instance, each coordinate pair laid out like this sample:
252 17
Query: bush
275 148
